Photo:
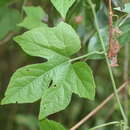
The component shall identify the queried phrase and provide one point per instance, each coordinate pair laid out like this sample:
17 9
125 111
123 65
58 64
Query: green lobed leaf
35 17
57 77
50 125
48 42
62 6
8 21
32 82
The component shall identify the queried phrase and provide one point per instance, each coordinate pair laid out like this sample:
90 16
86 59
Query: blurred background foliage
24 116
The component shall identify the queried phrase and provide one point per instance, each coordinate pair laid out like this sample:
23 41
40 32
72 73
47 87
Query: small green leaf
53 100
8 21
35 16
48 42
126 8
50 125
62 6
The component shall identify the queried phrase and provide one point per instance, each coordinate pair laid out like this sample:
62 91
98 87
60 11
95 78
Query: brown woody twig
7 38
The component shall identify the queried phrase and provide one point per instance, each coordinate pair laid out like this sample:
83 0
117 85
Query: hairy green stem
86 55
125 76
107 60
106 124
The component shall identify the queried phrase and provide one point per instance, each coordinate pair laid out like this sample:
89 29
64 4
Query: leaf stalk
86 55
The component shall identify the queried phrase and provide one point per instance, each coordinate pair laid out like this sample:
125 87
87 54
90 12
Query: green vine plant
53 82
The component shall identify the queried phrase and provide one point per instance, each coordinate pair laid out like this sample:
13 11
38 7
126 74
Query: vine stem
86 55
125 76
106 124
107 61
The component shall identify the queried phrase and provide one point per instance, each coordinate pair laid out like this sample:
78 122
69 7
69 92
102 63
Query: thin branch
99 107
7 38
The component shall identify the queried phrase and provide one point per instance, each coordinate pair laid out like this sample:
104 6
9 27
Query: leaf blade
62 6
34 17
81 79
8 21
61 99
28 83
48 42
50 125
